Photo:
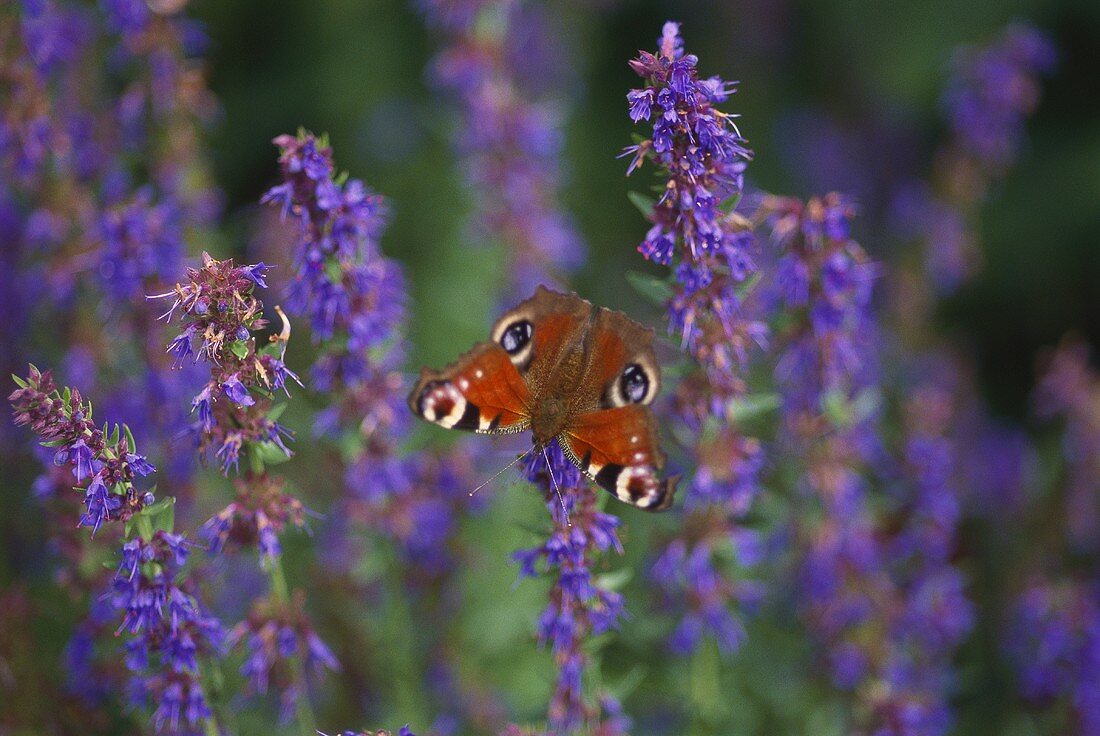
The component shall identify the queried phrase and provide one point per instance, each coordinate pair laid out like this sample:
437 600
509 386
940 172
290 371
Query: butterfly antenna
557 489
501 471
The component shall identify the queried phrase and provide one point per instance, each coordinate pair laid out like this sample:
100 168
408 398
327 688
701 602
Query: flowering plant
878 532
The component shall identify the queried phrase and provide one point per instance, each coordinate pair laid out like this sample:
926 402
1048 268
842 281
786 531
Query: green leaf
865 404
19 381
162 514
240 349
653 288
144 526
644 204
255 462
130 442
627 683
334 272
615 580
115 435
749 407
269 453
729 204
272 348
277 411
843 412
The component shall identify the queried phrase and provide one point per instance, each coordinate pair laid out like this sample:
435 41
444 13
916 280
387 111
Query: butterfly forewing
616 344
481 392
556 321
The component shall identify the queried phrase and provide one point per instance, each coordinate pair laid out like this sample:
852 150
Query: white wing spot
441 394
629 474
479 373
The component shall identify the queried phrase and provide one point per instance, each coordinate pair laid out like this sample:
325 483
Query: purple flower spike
578 607
218 304
700 157
510 144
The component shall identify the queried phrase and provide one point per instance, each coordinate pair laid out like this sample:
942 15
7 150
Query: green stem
705 691
303 709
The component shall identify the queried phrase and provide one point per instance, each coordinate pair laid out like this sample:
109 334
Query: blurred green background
859 67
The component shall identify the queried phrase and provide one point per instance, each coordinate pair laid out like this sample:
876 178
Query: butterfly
568 370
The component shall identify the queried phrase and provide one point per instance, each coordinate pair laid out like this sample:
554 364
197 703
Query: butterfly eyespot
516 337
634 384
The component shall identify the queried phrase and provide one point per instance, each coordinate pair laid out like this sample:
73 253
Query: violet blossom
700 157
992 92
356 299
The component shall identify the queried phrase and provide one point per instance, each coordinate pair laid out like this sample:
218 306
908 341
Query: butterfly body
567 370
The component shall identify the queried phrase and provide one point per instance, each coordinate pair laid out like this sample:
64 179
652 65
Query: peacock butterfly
564 369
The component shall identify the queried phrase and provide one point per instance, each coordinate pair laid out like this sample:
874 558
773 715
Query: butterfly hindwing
617 448
480 392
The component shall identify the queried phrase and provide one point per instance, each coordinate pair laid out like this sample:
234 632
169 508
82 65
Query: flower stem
303 709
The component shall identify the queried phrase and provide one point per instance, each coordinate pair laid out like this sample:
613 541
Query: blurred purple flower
994 89
1053 640
992 92
278 638
510 144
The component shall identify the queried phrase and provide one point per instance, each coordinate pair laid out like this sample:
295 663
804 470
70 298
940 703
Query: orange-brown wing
538 332
618 449
621 368
481 392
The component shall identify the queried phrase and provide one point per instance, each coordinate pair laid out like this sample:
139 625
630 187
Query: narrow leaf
642 202
655 289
